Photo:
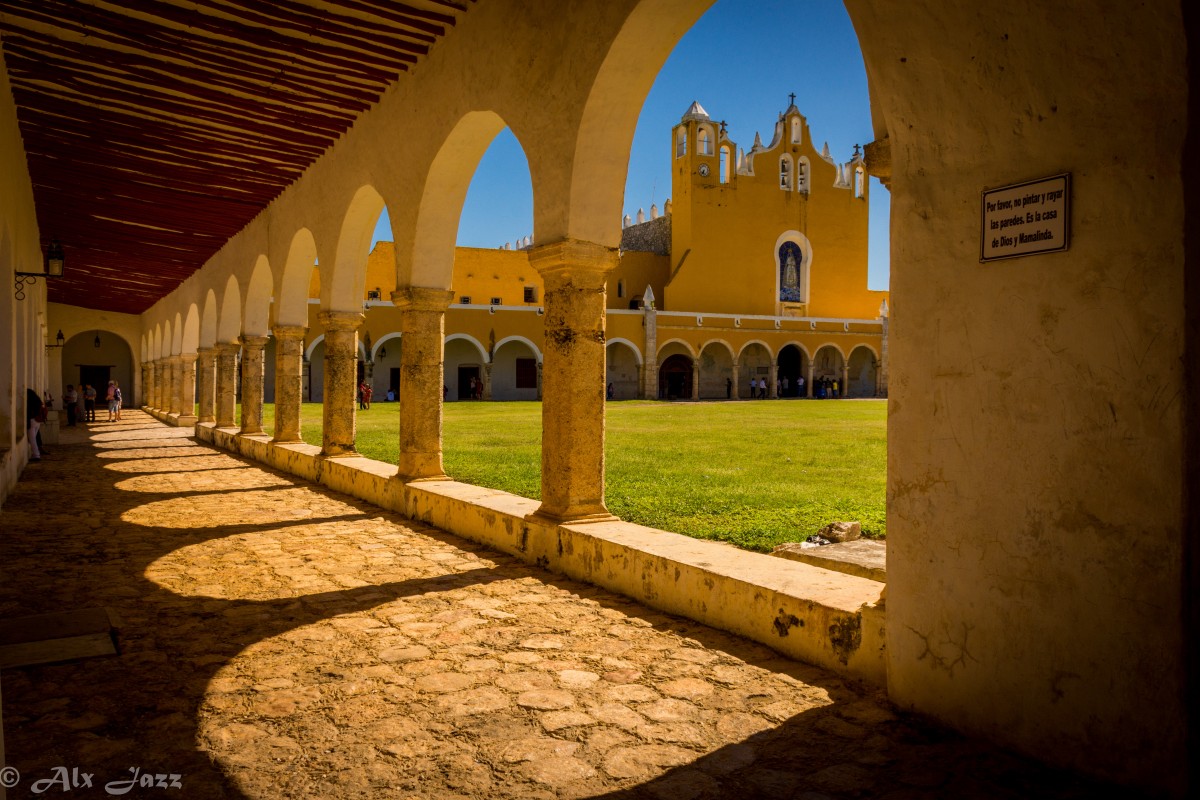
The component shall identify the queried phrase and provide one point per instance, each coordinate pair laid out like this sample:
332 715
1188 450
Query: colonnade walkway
280 640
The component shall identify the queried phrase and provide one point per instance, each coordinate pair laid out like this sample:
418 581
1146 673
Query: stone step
866 558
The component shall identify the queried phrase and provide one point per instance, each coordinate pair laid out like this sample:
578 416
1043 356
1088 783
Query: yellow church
756 272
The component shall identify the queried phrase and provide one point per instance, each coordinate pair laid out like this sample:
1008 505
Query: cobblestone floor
281 641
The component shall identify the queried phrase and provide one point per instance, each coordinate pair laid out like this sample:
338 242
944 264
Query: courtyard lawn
753 473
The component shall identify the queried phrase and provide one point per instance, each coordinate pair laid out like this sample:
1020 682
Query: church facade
755 272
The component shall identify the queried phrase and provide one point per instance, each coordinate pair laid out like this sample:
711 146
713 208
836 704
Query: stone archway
862 370
622 370
675 378
792 363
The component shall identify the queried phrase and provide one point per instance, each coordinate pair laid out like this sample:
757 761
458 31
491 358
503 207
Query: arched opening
755 365
723 166
827 374
675 378
716 371
465 361
622 370
514 373
791 365
863 373
95 357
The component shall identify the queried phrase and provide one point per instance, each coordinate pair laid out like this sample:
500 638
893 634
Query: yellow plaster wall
638 270
723 236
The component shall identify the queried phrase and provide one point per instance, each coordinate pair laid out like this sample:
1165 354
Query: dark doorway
96 376
791 367
394 382
464 381
362 371
675 378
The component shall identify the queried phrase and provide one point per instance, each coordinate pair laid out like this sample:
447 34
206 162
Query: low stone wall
804 612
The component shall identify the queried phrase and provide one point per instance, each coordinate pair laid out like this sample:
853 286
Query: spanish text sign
1026 218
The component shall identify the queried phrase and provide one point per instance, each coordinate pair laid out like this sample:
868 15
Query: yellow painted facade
727 306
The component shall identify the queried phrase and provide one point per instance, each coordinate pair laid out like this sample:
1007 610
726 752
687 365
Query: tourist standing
367 394
35 415
120 401
762 388
110 399
729 388
70 403
89 403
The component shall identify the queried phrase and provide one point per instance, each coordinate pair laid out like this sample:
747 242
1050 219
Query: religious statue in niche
790 262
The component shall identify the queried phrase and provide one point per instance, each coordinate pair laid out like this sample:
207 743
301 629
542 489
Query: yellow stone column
696 379
341 381
155 390
574 273
844 385
187 389
252 383
736 392
226 384
422 325
160 384
773 382
145 382
148 386
808 376
173 385
206 379
289 374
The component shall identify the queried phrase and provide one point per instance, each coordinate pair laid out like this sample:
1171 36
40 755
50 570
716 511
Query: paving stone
546 699
281 640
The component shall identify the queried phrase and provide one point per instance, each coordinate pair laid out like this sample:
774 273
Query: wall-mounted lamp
59 340
52 267
383 352
96 341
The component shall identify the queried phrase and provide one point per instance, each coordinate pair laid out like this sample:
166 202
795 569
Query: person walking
367 394
120 401
762 388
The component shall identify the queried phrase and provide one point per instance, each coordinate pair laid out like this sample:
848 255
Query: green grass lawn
752 473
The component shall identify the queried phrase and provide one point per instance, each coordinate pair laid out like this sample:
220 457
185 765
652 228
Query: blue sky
740 60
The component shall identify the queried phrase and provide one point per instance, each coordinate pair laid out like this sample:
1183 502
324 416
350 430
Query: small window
531 291
723 169
704 142
620 289
859 180
681 143
802 176
785 173
465 300
527 372
496 301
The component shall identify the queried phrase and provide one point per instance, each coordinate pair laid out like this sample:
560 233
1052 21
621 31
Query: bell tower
695 165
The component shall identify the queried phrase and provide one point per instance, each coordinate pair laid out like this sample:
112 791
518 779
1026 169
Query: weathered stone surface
866 558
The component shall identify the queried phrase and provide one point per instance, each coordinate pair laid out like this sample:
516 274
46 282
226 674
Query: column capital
258 342
227 348
570 256
341 320
202 352
289 331
420 298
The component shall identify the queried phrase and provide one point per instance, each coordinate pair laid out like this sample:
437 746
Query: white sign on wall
1026 218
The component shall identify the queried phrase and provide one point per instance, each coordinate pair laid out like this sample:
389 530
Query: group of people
80 405
823 388
365 393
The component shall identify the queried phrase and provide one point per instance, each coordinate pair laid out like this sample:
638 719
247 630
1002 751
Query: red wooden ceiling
157 129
